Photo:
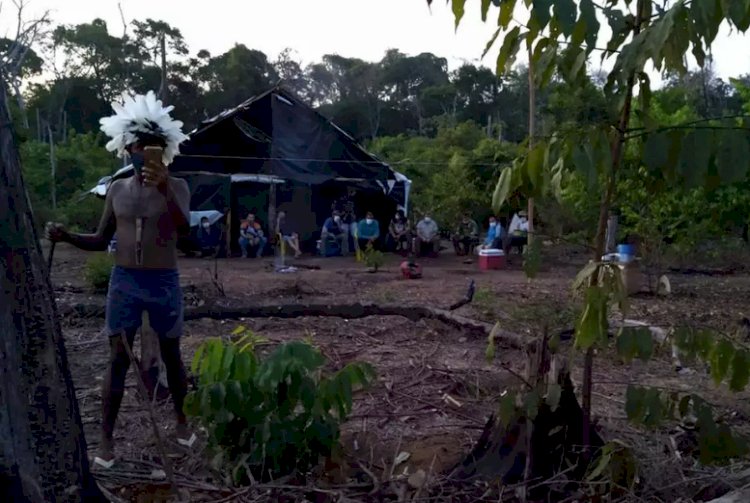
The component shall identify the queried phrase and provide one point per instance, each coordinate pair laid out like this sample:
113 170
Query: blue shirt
331 226
493 233
368 231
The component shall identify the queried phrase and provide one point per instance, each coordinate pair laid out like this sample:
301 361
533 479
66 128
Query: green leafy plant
98 270
559 36
270 415
374 259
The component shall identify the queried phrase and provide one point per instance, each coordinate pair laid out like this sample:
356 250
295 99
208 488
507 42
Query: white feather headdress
139 115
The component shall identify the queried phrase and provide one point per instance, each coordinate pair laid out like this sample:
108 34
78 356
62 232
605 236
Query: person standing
149 211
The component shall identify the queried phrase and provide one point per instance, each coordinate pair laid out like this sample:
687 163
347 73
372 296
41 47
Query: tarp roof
277 134
275 137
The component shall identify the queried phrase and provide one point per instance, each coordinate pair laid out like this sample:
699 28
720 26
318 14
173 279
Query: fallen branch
346 311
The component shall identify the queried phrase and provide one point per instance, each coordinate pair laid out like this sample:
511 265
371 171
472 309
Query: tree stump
535 449
42 447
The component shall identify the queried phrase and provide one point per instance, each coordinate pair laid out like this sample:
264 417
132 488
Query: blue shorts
156 291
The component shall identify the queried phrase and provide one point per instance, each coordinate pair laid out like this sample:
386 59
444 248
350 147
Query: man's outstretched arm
99 240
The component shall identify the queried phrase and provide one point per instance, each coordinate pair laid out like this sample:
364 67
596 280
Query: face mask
493 224
206 225
138 160
337 219
368 220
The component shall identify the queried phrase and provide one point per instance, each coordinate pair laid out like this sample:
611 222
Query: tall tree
42 446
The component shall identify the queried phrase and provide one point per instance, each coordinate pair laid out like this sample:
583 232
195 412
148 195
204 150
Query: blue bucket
626 253
626 250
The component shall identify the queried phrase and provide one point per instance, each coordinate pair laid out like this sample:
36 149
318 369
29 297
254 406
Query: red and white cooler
491 258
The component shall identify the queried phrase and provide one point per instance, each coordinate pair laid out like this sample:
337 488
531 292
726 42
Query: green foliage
374 259
98 270
635 342
717 444
615 465
727 360
454 171
273 414
80 162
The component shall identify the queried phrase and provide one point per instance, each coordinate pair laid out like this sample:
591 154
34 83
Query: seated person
495 234
466 236
368 232
252 239
397 239
428 237
209 239
334 232
287 233
518 233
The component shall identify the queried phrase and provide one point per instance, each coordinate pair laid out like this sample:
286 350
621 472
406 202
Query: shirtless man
149 211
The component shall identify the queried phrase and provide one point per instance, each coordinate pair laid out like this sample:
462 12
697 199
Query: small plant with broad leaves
560 36
374 259
272 415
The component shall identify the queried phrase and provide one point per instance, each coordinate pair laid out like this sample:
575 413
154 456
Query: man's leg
113 389
262 241
343 239
324 244
457 245
243 246
167 309
177 379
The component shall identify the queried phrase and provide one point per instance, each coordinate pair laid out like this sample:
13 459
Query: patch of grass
98 270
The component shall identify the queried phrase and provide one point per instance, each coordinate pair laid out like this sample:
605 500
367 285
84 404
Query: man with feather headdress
149 210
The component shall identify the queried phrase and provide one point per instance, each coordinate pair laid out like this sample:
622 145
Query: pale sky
352 28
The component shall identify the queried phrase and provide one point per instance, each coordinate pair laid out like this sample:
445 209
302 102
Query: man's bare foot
106 453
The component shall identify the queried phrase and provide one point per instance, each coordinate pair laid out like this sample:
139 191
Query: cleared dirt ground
417 364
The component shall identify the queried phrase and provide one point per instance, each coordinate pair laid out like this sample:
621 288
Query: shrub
373 258
271 416
98 270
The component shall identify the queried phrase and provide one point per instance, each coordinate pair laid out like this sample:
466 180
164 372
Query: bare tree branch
12 60
122 18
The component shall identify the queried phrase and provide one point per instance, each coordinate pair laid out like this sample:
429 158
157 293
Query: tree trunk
164 88
43 450
611 239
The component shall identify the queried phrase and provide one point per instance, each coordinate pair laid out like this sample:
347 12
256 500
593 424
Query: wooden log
347 311
42 447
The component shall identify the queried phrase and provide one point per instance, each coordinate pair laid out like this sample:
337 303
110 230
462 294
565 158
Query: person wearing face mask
149 211
428 237
398 233
466 237
495 234
368 232
334 232
209 239
518 232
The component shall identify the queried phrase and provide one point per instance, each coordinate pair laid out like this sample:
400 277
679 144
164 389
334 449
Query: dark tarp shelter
274 152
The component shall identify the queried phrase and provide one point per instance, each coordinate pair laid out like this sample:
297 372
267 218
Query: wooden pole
53 167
